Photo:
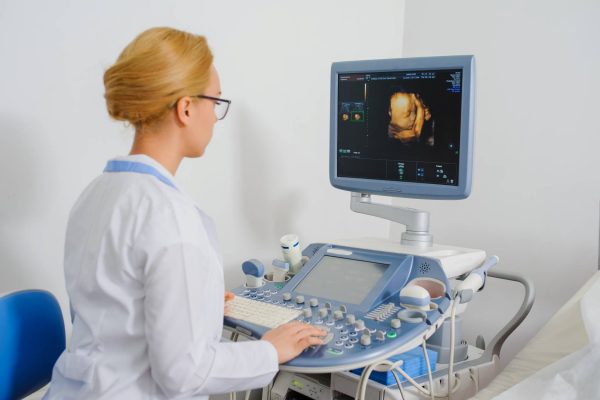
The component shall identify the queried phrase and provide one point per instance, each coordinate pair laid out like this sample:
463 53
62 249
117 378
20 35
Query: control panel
357 296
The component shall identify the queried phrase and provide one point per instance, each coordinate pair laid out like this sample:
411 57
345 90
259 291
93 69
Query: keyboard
259 313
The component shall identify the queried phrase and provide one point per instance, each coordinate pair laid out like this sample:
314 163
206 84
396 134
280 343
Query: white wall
536 186
264 174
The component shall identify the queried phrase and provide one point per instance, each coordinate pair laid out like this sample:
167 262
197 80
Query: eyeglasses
221 105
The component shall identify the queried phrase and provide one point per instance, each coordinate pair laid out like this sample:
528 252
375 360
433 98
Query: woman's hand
292 338
228 297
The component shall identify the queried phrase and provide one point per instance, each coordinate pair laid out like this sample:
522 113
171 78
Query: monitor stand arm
416 221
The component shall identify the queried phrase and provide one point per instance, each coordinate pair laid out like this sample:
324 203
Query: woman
142 265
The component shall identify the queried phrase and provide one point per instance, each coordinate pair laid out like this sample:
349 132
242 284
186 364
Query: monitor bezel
402 188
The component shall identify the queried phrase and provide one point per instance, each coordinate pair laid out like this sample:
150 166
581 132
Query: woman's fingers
294 327
308 330
310 341
229 296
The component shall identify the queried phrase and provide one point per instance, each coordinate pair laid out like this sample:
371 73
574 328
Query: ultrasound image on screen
408 128
341 279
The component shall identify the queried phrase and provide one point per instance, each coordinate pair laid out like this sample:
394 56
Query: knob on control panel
395 323
299 299
323 312
287 296
359 325
350 319
380 336
337 315
365 340
314 302
307 313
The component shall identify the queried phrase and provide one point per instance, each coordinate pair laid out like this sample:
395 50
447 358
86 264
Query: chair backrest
32 337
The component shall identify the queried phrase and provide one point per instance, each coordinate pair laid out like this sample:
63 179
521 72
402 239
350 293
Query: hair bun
157 68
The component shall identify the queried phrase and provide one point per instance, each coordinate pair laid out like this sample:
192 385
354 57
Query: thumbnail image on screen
400 125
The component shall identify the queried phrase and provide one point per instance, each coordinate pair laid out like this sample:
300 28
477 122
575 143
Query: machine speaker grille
424 268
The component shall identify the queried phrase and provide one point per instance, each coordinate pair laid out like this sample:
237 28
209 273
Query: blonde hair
157 68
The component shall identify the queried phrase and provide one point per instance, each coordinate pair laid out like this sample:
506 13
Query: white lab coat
145 280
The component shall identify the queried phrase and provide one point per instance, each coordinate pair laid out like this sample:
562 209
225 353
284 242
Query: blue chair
32 337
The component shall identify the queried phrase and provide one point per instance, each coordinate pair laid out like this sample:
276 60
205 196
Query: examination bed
565 344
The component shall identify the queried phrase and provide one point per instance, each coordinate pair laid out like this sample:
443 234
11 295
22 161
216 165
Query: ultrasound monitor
403 127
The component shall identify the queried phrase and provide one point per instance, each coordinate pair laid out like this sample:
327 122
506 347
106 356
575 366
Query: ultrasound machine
401 128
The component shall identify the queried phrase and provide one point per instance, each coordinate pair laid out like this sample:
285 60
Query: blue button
344 332
348 345
354 333
344 337
353 340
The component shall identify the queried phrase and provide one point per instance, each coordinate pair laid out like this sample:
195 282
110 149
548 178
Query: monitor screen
341 279
403 127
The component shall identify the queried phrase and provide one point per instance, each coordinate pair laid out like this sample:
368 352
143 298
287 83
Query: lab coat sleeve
183 306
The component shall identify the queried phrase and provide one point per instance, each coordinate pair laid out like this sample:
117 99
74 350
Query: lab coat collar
147 160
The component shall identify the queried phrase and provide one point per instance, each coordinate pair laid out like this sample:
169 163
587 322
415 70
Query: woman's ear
182 110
